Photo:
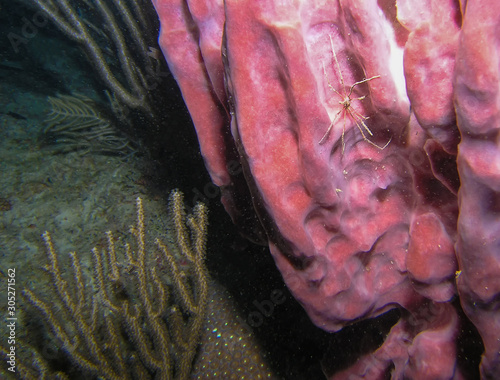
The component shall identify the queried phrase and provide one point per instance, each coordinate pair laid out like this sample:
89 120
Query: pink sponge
342 115
477 103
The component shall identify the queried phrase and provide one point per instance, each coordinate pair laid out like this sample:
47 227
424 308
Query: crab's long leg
343 132
378 146
337 62
325 136
356 121
361 82
328 81
358 118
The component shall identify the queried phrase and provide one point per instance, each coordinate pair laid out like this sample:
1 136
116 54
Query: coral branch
134 321
118 20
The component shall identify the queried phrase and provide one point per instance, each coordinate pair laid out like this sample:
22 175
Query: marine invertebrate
74 123
346 106
355 234
477 103
127 320
81 21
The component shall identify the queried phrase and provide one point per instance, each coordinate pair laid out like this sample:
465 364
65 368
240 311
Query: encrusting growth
132 323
